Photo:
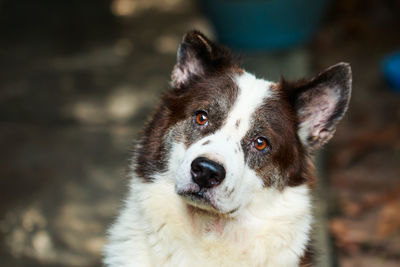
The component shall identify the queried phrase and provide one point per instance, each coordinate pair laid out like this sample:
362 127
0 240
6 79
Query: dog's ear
197 56
320 103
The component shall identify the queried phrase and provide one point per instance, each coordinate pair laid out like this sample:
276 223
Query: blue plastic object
265 24
391 70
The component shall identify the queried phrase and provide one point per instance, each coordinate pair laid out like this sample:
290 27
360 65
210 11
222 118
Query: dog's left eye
201 118
260 143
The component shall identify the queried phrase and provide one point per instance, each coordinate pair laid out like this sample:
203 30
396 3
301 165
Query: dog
223 171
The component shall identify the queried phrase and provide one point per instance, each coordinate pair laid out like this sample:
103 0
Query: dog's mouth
197 197
201 199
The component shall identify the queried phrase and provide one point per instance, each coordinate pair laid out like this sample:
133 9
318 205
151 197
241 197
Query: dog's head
220 134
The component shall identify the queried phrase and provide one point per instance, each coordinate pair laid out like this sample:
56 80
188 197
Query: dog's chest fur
166 232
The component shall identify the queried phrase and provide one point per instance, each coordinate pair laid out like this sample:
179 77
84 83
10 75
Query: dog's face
222 135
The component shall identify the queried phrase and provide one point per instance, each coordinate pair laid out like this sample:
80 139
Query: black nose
207 173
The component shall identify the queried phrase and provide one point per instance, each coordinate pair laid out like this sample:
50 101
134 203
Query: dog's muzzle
205 176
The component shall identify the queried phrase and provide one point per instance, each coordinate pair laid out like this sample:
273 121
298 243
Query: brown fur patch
210 88
198 56
237 123
206 142
285 162
214 94
307 260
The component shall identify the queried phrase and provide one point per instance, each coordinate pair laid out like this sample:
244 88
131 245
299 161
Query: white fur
268 227
156 229
252 93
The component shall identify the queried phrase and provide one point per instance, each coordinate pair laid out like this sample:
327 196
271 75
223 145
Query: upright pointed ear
197 56
320 104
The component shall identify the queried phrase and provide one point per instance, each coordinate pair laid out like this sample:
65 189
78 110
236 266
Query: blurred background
79 78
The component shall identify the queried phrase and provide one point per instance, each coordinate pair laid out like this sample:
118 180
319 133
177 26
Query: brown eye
201 118
260 143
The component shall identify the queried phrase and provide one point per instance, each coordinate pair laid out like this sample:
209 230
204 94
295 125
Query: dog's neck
204 222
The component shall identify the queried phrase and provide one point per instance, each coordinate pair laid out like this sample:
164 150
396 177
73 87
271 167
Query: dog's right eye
260 143
201 118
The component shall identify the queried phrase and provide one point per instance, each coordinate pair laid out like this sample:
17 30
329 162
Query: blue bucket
265 24
391 70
